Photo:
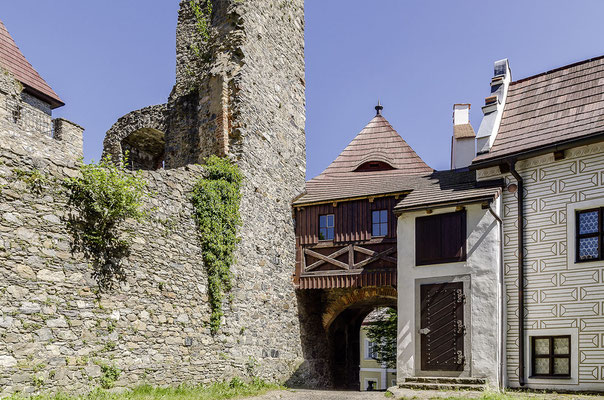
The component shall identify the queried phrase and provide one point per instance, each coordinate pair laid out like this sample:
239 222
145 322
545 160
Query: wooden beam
365 251
327 259
333 272
375 258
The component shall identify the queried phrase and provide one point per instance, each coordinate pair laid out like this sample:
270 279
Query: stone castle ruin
239 93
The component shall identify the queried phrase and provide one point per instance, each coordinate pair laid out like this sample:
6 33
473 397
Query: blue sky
419 57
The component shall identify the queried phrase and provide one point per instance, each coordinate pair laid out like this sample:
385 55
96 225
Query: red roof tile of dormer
15 62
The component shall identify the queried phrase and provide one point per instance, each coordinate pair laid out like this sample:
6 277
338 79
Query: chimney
493 106
463 148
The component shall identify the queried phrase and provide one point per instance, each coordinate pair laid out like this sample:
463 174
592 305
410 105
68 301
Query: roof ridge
557 69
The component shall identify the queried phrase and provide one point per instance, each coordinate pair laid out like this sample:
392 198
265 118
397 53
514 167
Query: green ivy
216 199
103 196
202 22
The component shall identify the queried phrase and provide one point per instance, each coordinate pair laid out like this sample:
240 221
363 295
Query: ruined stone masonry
240 93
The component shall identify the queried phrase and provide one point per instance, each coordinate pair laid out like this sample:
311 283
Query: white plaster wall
481 274
464 151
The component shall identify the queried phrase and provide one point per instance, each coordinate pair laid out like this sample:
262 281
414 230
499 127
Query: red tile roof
557 106
378 141
15 62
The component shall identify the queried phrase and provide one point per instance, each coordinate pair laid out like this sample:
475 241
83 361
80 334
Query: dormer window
374 166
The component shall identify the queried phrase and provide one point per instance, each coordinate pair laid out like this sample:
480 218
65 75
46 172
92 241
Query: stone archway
145 148
359 296
330 322
141 133
343 320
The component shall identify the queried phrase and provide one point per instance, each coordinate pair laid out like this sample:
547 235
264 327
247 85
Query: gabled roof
442 188
555 107
15 62
378 141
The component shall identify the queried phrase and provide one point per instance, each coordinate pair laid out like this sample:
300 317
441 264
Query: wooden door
442 327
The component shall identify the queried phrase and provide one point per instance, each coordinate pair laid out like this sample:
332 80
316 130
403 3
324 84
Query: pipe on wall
502 301
520 198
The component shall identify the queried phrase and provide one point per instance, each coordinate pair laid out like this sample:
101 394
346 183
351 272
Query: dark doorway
442 327
345 344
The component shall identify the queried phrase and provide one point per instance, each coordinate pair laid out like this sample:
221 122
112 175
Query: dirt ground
319 395
407 394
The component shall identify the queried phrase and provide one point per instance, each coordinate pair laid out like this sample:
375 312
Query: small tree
383 334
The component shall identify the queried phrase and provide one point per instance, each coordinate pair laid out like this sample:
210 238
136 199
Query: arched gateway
346 254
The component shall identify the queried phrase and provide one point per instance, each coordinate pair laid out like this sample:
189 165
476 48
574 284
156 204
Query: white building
538 176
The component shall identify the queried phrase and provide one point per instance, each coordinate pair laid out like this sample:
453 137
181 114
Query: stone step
446 380
441 386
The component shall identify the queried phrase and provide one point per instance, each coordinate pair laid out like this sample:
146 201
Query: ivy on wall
216 198
203 16
102 197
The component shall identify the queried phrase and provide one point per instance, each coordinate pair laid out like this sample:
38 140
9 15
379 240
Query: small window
550 356
589 235
440 238
326 227
379 223
370 351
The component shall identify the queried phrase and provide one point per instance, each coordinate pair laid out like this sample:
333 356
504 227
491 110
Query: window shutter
453 236
440 238
427 240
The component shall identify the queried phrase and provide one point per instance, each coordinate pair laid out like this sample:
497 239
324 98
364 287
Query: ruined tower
239 93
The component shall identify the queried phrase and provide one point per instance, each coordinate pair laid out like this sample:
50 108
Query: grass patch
235 388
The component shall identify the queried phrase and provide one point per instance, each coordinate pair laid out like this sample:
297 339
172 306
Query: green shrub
109 374
102 198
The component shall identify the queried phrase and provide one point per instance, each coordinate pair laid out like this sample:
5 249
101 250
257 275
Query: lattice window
589 235
550 356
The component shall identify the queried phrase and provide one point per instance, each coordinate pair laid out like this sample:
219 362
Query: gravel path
302 394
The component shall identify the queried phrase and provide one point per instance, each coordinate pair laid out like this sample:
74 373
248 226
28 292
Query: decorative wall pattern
560 294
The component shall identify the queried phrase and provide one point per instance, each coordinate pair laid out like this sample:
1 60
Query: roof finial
378 108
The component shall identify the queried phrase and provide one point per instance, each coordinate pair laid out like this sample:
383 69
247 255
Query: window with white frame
589 235
550 356
370 351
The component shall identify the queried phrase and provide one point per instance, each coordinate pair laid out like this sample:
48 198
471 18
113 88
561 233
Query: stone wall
57 334
21 109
